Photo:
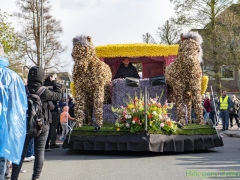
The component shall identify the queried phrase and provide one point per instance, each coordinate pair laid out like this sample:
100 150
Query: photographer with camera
35 82
55 117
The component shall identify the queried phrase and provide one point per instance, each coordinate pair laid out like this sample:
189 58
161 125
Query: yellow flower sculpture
135 50
204 84
72 87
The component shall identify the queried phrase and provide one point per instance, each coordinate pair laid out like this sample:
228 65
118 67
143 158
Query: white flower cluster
128 116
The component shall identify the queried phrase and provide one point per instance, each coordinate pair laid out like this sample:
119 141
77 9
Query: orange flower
169 123
150 116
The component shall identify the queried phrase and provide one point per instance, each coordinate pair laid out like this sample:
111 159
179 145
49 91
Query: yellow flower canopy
136 50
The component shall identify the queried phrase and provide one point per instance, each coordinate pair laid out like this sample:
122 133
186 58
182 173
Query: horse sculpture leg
79 108
89 110
197 102
98 106
178 93
188 103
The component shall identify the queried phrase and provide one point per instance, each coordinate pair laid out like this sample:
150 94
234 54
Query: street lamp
66 90
41 40
66 86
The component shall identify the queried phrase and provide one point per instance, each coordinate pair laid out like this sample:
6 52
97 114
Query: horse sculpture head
82 48
193 41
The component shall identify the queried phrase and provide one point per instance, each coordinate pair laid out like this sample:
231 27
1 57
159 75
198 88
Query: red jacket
207 105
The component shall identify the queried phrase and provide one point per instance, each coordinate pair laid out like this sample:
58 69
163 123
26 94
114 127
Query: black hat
36 74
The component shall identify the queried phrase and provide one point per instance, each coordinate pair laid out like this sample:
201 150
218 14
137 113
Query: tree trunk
218 80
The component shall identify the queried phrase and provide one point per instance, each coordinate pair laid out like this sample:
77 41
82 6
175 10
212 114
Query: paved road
61 164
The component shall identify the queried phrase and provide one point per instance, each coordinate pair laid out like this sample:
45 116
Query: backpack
212 105
35 118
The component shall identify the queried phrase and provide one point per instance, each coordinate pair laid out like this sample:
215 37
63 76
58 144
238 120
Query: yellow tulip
130 106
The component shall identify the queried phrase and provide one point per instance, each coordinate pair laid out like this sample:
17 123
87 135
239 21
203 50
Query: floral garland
135 50
204 84
131 117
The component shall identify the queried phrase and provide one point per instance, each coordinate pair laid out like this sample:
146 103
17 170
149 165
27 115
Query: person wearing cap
35 81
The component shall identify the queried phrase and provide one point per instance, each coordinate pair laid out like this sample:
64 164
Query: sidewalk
231 132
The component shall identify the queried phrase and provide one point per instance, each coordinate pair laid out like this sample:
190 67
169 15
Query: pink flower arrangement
132 116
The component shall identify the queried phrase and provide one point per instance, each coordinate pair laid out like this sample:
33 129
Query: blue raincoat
13 107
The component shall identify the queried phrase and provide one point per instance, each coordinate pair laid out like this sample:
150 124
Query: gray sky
106 21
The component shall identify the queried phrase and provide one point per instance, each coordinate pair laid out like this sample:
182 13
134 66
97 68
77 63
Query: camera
48 80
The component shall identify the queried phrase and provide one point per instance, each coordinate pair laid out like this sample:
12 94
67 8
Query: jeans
3 162
30 150
47 146
193 114
8 173
206 116
212 116
54 125
39 149
225 119
64 130
59 128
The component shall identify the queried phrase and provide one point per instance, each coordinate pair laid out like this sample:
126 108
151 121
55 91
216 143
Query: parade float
136 115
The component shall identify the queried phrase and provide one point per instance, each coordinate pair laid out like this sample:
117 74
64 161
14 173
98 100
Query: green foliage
8 38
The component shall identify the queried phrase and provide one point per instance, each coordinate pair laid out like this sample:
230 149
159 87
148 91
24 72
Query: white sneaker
23 171
29 159
61 138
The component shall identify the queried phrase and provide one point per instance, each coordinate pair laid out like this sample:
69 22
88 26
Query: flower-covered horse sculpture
92 78
184 76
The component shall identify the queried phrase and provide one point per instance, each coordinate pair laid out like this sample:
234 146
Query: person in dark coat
126 69
233 111
35 81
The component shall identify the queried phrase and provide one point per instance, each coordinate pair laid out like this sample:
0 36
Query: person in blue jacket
13 107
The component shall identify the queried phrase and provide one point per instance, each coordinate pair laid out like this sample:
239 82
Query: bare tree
148 39
168 33
202 14
29 16
229 35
